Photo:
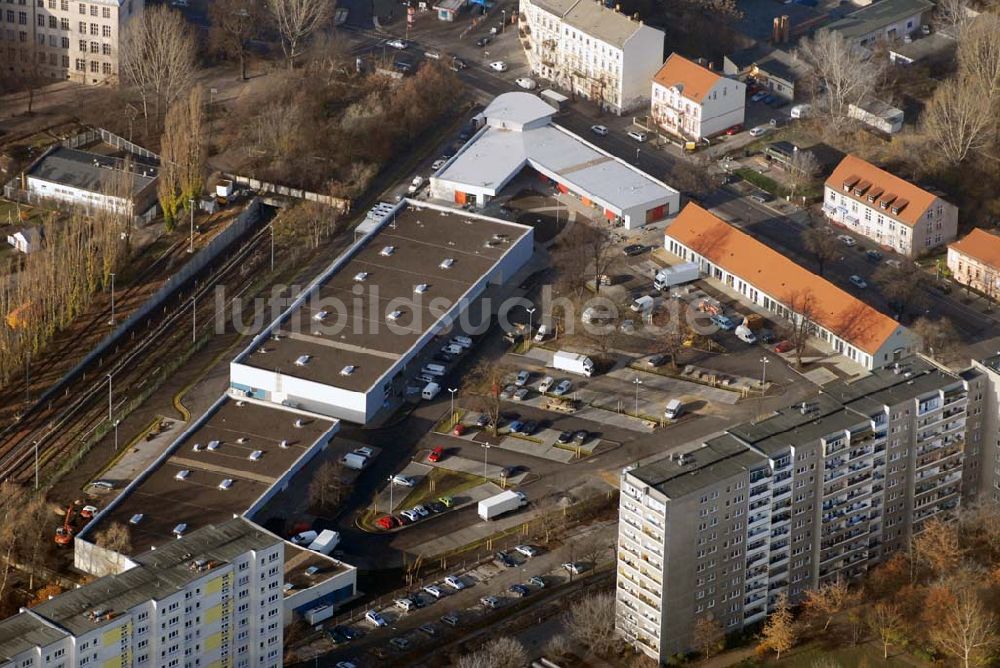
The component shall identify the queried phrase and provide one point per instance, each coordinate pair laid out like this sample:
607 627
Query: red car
438 453
386 522
784 347
735 129
458 430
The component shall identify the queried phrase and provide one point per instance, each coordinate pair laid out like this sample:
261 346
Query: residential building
886 20
212 598
595 52
692 101
974 260
877 115
349 345
774 69
890 211
518 135
229 462
821 490
26 240
65 39
771 281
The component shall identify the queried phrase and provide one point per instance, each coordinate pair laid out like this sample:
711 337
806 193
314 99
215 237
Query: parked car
522 378
411 515
768 100
526 550
784 346
436 507
633 250
894 263
438 453
581 436
401 644
498 66
573 567
847 240
858 282
873 255
546 384
416 184
537 580
458 64
491 602
403 66
761 197
599 130
526 83
405 604
637 135
428 629
505 559
521 394
386 522
455 583
421 511
508 392
562 388
434 591
438 164
457 430
759 131
483 420
723 322
400 44
403 481
515 427
565 437
451 619
656 360
372 617
529 427
736 129
446 501
519 590
483 41
758 96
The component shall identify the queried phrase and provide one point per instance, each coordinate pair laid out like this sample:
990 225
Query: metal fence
111 139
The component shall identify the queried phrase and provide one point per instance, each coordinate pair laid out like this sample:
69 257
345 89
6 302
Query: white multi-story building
64 39
889 210
210 599
594 52
693 101
821 490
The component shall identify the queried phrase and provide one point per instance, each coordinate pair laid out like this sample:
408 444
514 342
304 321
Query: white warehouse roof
519 133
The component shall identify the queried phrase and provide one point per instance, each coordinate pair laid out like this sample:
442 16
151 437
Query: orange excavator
64 534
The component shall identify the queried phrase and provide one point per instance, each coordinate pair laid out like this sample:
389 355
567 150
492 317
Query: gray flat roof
715 461
356 331
88 171
164 501
594 19
23 632
157 574
878 15
491 158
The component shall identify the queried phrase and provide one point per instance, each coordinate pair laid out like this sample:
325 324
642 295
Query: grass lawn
9 210
439 482
867 654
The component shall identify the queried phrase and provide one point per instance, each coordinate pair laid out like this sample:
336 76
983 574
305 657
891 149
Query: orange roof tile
773 273
696 81
979 245
853 168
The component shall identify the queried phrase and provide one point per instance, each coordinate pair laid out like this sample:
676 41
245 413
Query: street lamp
637 382
35 443
763 372
191 205
503 22
486 451
112 321
194 321
109 398
452 390
530 312
117 422
637 155
391 504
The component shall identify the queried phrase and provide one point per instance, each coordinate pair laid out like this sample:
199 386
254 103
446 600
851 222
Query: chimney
785 28
776 30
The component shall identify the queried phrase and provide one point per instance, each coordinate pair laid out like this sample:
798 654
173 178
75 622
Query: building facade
65 39
822 490
974 260
885 21
210 599
778 285
693 101
596 53
890 211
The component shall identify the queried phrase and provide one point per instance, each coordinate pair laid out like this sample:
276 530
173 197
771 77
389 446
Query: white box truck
353 460
325 541
504 502
679 274
573 363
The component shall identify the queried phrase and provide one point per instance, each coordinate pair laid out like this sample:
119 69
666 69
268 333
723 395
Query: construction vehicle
64 534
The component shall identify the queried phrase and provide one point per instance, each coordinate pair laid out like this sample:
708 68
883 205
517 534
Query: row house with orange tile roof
770 280
974 260
890 211
692 101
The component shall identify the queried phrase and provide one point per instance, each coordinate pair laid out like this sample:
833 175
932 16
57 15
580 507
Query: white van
745 334
643 304
433 369
430 391
800 111
674 409
542 332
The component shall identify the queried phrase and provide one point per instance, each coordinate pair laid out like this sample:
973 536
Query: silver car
562 388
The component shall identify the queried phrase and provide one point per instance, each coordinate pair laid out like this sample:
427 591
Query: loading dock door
460 197
654 214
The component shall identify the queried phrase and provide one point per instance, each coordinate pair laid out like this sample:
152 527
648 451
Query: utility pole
272 246
116 434
391 504
109 397
112 321
486 452
530 311
637 382
191 205
35 443
452 390
194 321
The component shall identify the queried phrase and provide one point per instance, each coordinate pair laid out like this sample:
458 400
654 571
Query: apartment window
83 27
93 10
95 29
83 45
81 65
95 47
106 49
41 21
65 59
64 5
64 24
83 8
106 12
22 18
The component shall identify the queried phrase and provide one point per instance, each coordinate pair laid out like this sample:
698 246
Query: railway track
60 431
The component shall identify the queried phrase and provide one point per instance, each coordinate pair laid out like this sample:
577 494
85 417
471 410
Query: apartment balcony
780 494
756 518
757 531
755 559
759 491
757 476
856 453
782 476
754 615
755 598
779 522
757 545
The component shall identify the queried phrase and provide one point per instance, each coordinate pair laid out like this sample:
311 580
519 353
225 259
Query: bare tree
326 489
886 622
802 304
504 652
824 246
674 330
234 24
937 546
296 21
951 14
486 381
116 538
589 250
557 646
779 633
802 170
903 285
157 58
846 74
959 119
12 500
939 338
709 637
979 55
591 620
829 600
966 630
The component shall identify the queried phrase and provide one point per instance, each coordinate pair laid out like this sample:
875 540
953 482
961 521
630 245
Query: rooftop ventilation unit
312 570
447 262
347 370
180 529
387 251
197 447
214 445
135 519
421 288
242 439
300 423
226 484
256 455
302 360
321 315
283 444
395 315
182 474
361 276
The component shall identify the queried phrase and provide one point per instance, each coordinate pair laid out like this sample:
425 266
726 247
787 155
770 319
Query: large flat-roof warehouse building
347 346
518 133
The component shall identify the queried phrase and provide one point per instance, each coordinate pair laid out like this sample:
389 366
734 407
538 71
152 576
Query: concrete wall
333 591
642 57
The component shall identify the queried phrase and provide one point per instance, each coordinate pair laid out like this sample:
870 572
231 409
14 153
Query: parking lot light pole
191 205
530 311
637 382
486 452
391 504
117 422
763 373
112 321
452 390
109 398
35 443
